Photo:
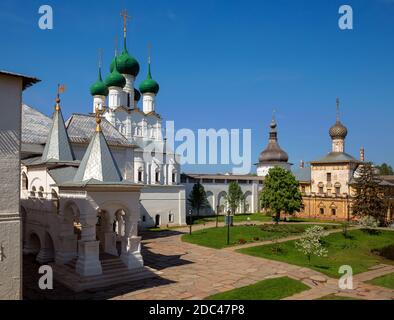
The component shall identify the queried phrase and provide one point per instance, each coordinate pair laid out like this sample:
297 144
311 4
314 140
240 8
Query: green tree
198 198
369 197
385 169
281 192
235 196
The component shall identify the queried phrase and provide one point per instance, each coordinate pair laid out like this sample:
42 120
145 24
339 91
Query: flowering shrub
310 243
369 222
242 241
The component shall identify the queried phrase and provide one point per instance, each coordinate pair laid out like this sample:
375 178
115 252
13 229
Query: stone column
131 253
88 263
109 240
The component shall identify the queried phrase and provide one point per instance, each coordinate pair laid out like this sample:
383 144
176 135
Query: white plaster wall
10 226
162 201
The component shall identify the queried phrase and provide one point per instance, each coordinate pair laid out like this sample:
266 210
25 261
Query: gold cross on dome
124 14
149 52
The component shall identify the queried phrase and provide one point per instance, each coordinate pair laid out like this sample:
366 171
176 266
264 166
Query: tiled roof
81 128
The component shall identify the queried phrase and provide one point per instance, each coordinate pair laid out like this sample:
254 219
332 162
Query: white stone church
90 183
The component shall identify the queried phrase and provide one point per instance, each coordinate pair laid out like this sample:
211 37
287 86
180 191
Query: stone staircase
114 272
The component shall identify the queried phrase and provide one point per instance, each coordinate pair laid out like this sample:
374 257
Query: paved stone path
188 271
195 272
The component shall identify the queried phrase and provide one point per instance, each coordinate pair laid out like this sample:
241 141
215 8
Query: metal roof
62 175
35 126
27 81
223 176
58 146
334 157
80 128
98 162
303 174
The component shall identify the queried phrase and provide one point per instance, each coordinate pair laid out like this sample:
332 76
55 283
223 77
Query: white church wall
165 202
10 228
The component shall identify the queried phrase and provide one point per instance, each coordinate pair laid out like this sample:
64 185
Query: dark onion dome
127 64
338 131
273 152
137 95
115 79
99 88
149 85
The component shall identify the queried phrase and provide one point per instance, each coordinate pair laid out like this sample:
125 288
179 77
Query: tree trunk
277 217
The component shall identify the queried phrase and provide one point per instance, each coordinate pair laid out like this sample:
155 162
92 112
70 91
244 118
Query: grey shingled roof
334 157
303 174
98 162
58 145
80 128
62 175
35 126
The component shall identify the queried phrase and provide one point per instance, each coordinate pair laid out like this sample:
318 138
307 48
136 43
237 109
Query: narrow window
333 212
157 176
329 177
321 210
173 177
140 176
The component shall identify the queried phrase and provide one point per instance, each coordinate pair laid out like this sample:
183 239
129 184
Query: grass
357 251
217 237
386 281
335 297
270 289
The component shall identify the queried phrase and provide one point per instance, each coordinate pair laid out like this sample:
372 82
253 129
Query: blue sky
225 64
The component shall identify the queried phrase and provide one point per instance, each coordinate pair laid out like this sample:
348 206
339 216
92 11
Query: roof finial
100 62
98 113
116 46
149 59
60 89
124 14
338 103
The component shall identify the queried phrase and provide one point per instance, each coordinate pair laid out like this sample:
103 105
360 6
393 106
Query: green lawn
335 297
355 251
217 237
386 281
270 289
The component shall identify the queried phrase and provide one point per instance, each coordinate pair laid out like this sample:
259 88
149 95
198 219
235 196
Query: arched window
25 181
41 192
55 199
140 175
33 191
173 176
333 211
321 210
171 218
337 189
157 176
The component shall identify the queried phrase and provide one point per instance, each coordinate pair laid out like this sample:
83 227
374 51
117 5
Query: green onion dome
115 79
137 95
149 85
99 88
126 64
